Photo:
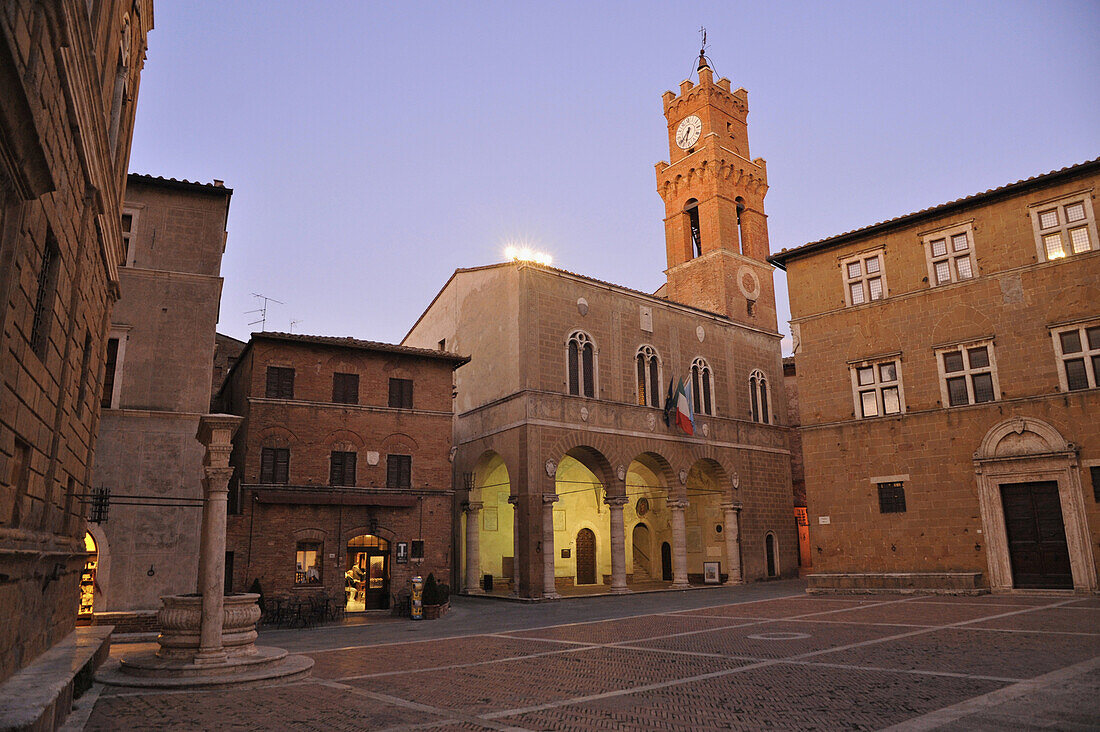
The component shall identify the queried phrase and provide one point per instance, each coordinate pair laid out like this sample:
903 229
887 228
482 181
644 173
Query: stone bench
947 583
40 695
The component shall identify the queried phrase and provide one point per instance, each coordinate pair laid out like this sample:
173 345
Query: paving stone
783 608
914 613
511 684
306 706
780 696
343 663
775 639
993 653
1061 619
615 631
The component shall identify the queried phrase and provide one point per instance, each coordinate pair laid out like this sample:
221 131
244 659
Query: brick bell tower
716 233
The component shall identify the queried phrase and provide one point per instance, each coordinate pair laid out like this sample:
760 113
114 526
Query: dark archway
666 562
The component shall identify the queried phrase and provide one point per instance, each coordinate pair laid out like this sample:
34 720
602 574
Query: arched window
648 368
741 225
758 395
701 386
581 361
691 212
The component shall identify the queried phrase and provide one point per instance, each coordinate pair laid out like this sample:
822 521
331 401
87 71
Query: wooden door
1036 536
586 557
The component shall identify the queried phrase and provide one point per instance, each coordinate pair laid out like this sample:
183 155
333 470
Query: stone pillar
514 500
733 542
679 544
216 434
473 548
549 589
618 544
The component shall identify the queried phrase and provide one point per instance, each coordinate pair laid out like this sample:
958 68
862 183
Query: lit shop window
307 567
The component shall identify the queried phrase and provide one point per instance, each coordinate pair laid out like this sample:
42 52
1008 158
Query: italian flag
685 414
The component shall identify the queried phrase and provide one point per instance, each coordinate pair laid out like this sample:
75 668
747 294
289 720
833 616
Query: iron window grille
891 497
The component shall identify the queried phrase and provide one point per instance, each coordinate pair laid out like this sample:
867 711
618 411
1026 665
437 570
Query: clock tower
716 234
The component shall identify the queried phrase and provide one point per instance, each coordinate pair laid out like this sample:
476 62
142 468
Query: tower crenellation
715 226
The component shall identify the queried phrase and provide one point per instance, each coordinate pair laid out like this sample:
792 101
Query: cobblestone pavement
739 659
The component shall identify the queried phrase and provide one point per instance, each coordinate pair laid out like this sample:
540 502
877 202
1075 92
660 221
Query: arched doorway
87 578
772 555
586 557
367 574
642 548
1033 508
666 561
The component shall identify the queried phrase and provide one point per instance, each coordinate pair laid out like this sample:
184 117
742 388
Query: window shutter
267 465
282 465
654 384
706 391
574 367
641 381
395 393
589 377
407 395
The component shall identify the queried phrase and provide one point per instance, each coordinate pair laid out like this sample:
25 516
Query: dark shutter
706 392
398 471
654 384
345 388
267 465
275 465
574 368
342 468
589 376
401 393
280 383
109 373
282 463
764 402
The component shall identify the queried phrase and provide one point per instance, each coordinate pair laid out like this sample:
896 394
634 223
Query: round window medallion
642 506
700 333
748 282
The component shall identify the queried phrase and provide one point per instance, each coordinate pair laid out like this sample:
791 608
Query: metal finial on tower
703 63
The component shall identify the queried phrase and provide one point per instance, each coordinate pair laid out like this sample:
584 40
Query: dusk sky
373 148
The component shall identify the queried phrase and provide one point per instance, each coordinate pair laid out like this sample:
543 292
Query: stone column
473 548
549 589
679 544
618 544
733 542
514 500
216 434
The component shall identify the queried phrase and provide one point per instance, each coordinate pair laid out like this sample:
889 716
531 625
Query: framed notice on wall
402 552
712 573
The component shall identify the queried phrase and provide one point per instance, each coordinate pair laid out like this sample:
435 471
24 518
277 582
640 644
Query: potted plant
436 598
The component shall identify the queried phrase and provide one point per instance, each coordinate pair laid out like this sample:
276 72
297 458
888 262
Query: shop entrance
87 578
367 575
1036 535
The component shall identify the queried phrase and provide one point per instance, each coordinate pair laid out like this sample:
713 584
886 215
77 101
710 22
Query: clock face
687 134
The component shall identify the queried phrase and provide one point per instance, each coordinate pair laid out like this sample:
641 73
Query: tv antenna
293 323
262 310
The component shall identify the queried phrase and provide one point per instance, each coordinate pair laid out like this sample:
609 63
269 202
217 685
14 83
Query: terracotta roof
180 183
781 258
361 345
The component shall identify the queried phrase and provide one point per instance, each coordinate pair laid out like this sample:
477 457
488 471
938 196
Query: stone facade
162 345
272 516
568 471
981 301
69 74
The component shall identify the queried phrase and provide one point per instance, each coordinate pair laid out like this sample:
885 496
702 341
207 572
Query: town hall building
568 474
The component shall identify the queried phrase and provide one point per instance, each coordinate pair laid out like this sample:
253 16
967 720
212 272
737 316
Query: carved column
473 548
549 589
733 542
618 544
679 544
216 434
514 500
